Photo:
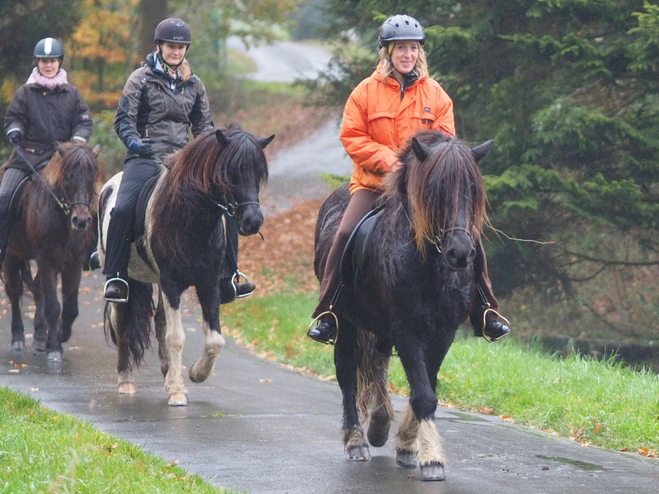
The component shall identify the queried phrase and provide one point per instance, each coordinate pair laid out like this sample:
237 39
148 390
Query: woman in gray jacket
161 102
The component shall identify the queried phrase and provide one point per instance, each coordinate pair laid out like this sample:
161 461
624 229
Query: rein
64 205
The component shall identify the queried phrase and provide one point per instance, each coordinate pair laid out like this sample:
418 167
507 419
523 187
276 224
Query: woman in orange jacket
383 112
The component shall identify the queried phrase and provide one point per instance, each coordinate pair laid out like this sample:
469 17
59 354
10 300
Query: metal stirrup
487 310
317 321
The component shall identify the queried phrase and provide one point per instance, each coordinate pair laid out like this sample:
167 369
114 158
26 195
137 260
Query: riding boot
485 318
117 255
231 289
230 286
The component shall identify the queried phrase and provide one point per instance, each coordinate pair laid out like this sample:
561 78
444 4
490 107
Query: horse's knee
424 405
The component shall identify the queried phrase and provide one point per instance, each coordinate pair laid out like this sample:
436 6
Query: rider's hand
14 137
142 148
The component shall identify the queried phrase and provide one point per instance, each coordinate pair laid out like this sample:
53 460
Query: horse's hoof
378 433
127 388
199 373
18 346
39 346
54 356
178 400
406 459
433 471
359 453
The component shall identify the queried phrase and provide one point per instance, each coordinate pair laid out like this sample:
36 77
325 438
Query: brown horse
415 285
53 227
183 244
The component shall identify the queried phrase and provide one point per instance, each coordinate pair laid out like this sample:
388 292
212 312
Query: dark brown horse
53 228
415 286
184 244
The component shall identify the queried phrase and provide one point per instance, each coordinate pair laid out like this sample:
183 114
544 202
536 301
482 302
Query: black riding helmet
49 48
401 27
174 30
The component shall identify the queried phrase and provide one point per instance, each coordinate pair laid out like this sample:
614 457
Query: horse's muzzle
80 221
459 251
250 221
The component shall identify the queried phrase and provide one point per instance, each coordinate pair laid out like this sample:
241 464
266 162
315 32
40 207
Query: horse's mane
203 172
426 190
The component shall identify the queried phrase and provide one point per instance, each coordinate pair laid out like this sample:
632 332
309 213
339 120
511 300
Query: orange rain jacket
377 123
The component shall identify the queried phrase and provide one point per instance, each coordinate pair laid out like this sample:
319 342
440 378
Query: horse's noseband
232 207
437 241
67 207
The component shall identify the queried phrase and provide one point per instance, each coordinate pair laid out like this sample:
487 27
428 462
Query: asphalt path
258 427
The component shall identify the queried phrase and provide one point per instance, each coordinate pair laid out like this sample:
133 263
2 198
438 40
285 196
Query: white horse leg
406 439
431 457
175 338
125 382
213 345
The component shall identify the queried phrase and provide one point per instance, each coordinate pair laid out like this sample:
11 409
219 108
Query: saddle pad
352 256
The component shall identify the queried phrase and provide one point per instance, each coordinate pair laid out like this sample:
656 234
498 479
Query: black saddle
16 201
353 254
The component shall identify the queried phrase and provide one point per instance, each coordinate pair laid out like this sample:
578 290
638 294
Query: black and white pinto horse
183 245
415 285
53 228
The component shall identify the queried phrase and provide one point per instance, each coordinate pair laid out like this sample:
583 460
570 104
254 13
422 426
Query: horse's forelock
77 159
436 185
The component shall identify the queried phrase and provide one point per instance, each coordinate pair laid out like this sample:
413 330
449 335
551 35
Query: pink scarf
52 83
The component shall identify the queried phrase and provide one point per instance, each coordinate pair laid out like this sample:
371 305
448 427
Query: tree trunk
151 12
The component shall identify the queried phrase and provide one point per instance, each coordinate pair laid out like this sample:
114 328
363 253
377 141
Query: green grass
601 403
43 451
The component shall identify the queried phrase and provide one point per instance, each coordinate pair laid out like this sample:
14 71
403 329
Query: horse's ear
223 139
265 141
481 150
97 149
421 151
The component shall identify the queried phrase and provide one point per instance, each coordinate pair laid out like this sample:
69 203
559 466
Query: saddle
353 254
16 201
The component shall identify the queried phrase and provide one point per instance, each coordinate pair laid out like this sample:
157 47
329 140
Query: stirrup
118 300
316 321
485 337
235 279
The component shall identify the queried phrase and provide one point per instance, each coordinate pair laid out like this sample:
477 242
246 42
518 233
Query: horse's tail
27 280
373 400
132 321
26 277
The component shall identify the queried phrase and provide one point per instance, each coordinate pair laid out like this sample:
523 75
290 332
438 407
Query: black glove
14 137
141 148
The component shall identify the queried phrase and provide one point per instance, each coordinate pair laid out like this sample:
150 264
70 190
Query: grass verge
600 403
43 451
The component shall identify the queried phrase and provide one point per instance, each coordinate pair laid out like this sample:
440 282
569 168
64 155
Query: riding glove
141 148
14 137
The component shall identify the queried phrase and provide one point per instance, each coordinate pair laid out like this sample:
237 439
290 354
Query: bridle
230 208
437 240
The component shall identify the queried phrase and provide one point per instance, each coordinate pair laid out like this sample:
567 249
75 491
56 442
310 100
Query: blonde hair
184 70
386 67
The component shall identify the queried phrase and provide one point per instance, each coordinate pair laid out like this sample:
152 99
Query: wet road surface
258 427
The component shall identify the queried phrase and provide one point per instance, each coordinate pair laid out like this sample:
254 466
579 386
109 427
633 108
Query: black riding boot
117 256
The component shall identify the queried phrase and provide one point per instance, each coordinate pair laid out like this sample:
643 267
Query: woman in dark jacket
46 109
161 101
